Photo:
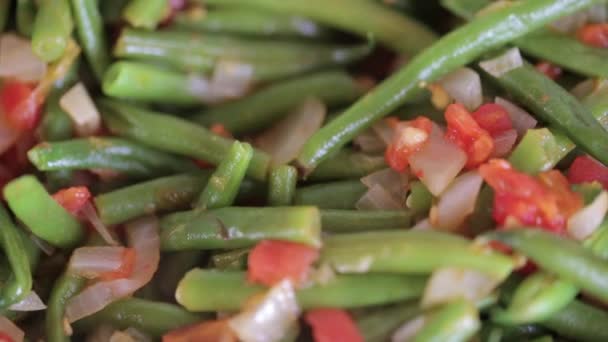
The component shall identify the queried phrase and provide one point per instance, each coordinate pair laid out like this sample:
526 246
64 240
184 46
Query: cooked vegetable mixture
303 170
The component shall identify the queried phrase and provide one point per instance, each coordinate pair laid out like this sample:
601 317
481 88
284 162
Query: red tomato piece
594 35
465 132
409 138
208 331
4 337
493 118
586 169
271 261
126 267
550 70
333 325
73 199
20 105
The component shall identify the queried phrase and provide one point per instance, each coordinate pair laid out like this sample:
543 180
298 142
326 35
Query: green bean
210 290
598 242
146 13
249 22
19 283
66 286
25 16
224 183
172 268
565 258
597 102
282 185
379 324
235 227
340 221
456 321
30 202
335 195
154 318
5 6
580 322
111 10
348 164
361 17
420 198
409 252
52 29
268 105
232 260
175 135
56 125
540 150
114 154
453 50
91 35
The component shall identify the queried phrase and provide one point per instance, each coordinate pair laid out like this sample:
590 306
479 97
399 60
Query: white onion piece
9 328
423 225
522 121
17 60
378 198
129 335
284 140
392 181
504 63
450 283
8 135
90 214
409 329
30 303
369 142
503 143
269 319
570 23
80 107
230 79
458 201
90 262
143 237
464 86
102 333
438 162
586 220
384 131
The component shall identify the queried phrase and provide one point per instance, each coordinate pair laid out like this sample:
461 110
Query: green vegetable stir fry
304 170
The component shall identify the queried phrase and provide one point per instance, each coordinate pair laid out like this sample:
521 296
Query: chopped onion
102 333
269 319
450 283
384 131
570 23
504 63
81 109
378 198
10 329
230 79
423 225
129 335
30 303
522 121
8 135
90 262
464 86
369 142
91 215
586 220
392 181
458 201
17 60
409 329
284 140
143 237
438 162
503 143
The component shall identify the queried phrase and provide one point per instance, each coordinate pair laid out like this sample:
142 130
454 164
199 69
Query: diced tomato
567 200
465 132
4 337
73 199
271 261
20 105
409 138
333 325
594 35
126 267
586 169
208 331
493 118
550 70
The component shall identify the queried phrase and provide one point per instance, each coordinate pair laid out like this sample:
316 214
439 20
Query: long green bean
91 35
52 29
347 164
340 221
25 16
334 195
580 322
66 286
282 185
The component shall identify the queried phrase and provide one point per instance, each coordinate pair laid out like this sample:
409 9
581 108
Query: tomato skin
4 337
208 331
586 169
126 267
73 199
594 35
20 105
493 118
465 132
271 261
332 325
409 138
550 70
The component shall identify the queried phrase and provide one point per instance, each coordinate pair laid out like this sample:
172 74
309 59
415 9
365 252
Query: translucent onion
503 143
378 198
522 121
457 202
409 329
90 262
450 283
586 220
10 329
423 225
464 86
230 80
17 60
81 109
384 131
30 303
504 63
91 215
369 142
143 236
392 181
570 23
438 162
284 140
270 318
